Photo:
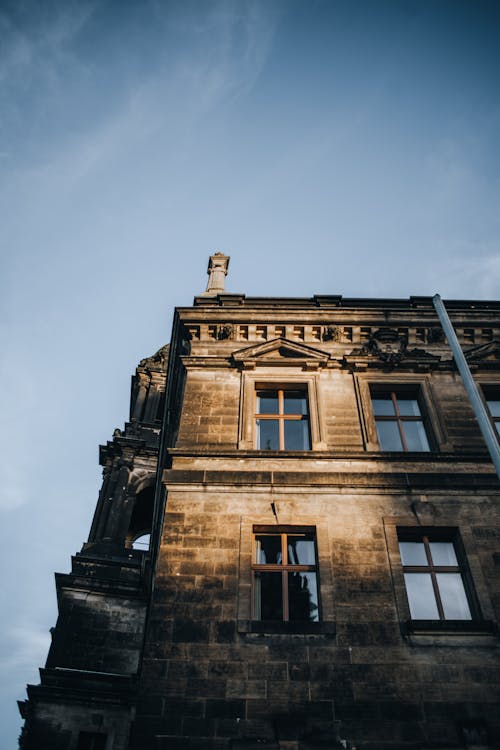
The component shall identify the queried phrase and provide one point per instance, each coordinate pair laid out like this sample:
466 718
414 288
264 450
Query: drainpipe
489 433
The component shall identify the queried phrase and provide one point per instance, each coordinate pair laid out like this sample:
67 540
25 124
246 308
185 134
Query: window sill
449 626
272 627
450 633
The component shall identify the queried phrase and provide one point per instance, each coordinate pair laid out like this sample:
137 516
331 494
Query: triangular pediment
489 352
280 351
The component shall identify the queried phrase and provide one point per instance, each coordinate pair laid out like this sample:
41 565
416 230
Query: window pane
453 598
295 402
416 439
497 425
421 596
301 550
297 435
413 553
494 407
443 553
268 550
388 436
303 597
267 402
383 407
267 437
142 542
408 407
268 596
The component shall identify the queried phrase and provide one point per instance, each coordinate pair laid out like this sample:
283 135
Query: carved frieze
332 333
389 348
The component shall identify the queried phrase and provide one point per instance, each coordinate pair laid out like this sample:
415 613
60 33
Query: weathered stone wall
98 631
210 412
207 678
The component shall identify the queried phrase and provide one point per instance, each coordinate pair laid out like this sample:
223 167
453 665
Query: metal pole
477 404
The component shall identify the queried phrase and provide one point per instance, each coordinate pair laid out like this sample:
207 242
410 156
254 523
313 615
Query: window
285 586
142 542
282 419
91 741
494 407
434 578
399 420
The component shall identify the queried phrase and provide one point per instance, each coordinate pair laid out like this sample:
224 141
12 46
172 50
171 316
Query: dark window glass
389 436
268 596
91 741
296 435
268 434
434 580
301 550
295 402
267 402
281 420
303 597
408 407
494 407
285 577
383 407
268 549
416 439
399 421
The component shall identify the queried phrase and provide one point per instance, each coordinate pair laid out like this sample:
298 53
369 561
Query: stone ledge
400 480
272 628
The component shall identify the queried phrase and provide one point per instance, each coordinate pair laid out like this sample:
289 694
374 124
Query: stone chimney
217 271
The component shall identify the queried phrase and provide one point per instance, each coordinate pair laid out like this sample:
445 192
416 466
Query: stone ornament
217 272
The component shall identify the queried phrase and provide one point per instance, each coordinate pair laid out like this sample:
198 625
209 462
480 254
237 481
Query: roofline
338 301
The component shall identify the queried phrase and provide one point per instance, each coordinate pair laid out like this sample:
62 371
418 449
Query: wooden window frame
478 631
431 569
367 385
284 567
280 416
395 395
289 379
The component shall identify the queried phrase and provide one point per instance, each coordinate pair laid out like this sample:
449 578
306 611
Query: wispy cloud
474 275
26 644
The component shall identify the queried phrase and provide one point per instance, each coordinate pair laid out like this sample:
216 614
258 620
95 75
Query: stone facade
186 646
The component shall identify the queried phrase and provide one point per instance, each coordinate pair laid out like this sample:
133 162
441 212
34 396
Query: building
324 562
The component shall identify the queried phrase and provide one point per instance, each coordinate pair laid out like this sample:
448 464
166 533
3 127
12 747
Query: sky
328 146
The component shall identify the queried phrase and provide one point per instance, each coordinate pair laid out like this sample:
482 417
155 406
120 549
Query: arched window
141 520
142 542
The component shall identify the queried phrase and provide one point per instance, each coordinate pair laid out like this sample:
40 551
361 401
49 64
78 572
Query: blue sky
345 147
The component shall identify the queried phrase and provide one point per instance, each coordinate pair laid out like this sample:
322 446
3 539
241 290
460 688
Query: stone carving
485 353
133 429
332 333
391 347
435 335
387 344
224 332
159 359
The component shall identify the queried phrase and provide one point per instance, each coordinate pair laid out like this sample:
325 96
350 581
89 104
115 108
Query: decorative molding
485 355
389 348
159 359
280 352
